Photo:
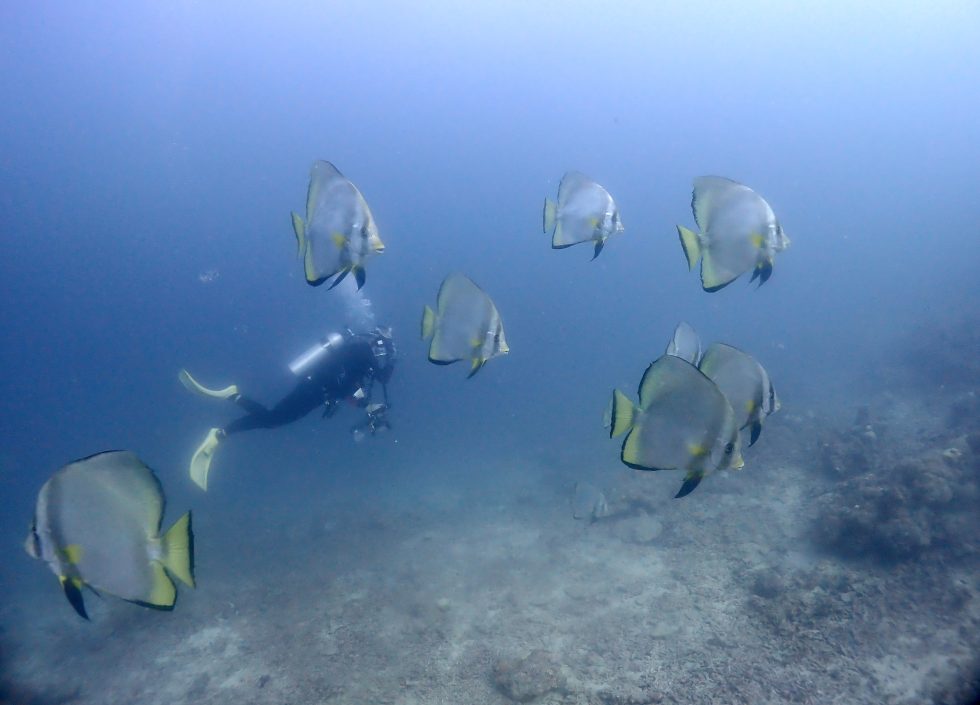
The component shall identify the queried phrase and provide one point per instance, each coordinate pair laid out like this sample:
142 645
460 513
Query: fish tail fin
691 245
73 592
550 214
428 322
690 482
300 229
622 415
178 550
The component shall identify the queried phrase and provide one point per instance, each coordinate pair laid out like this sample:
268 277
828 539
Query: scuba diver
341 366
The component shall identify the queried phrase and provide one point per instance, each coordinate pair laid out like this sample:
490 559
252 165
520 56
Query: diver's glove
378 418
375 420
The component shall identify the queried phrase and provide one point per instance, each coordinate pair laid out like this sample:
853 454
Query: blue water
144 145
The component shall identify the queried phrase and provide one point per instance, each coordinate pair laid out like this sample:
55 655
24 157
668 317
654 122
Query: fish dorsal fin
320 174
708 192
658 376
571 182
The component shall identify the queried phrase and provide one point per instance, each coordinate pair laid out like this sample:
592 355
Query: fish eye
729 447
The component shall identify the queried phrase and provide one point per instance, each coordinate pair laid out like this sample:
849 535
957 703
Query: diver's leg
250 405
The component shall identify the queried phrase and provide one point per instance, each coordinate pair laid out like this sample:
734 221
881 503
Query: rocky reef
892 501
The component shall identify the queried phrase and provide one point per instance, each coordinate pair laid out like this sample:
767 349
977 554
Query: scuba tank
315 354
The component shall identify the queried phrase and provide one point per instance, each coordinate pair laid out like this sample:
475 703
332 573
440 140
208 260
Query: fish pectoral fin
72 553
696 450
178 550
757 240
73 591
339 240
691 480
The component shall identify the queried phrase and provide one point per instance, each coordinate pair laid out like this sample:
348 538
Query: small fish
738 232
682 422
97 525
685 343
589 502
584 212
339 233
465 325
744 383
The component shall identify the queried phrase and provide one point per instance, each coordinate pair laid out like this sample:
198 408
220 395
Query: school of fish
97 520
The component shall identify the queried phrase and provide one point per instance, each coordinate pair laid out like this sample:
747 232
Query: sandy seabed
495 594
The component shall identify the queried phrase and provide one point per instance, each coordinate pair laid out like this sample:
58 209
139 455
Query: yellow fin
72 553
756 239
300 229
632 450
178 550
475 364
696 450
162 593
339 240
711 280
428 322
622 414
750 405
550 214
308 268
691 245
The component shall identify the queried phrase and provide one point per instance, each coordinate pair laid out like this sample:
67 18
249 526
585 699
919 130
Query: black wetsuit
339 375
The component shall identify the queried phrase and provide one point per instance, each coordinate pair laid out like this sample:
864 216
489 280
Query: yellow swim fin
193 385
201 460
